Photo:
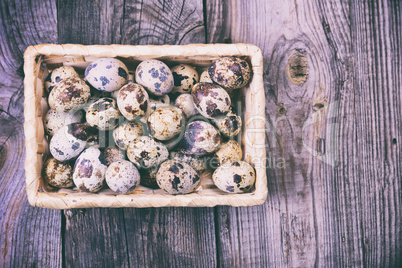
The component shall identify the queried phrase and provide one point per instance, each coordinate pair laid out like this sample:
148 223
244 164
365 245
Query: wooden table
333 76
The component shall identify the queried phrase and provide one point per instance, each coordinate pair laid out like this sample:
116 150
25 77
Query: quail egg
132 101
58 174
112 154
230 72
176 177
234 177
210 99
148 177
127 132
145 152
58 75
107 74
166 122
155 76
229 124
201 138
103 114
161 101
195 161
229 151
186 103
70 93
205 78
69 141
55 120
185 77
89 170
122 177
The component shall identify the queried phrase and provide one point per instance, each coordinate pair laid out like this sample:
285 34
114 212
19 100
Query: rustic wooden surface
333 75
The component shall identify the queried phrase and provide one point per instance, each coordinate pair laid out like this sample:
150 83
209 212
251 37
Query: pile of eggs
162 130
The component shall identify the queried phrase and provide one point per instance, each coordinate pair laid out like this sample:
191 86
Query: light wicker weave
80 56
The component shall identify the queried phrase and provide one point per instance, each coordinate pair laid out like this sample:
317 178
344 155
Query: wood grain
332 115
28 236
167 237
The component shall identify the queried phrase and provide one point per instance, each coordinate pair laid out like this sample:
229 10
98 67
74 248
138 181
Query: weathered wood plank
171 237
28 236
332 117
147 237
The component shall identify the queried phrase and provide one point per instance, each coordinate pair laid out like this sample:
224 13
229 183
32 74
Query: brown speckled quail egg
145 152
58 174
205 78
69 141
201 138
195 161
148 177
229 124
155 76
103 114
229 151
55 120
132 101
230 72
185 77
186 103
127 132
176 177
210 99
89 170
234 177
58 75
122 177
166 122
68 94
107 74
112 154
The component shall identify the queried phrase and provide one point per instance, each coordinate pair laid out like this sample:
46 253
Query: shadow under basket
41 59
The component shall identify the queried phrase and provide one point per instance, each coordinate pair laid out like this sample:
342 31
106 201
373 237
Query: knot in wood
281 109
297 68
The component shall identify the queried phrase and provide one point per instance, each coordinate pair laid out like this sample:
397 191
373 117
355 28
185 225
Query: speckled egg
127 132
145 152
229 151
59 74
176 177
195 161
229 124
69 141
205 78
148 177
166 122
230 72
103 114
185 77
201 138
55 120
132 101
186 103
234 177
69 94
107 74
112 154
58 174
210 99
156 102
122 177
155 76
89 170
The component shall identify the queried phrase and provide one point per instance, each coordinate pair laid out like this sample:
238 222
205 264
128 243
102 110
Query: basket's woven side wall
33 161
255 108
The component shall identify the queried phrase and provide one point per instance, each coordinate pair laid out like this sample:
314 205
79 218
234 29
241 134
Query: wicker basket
40 59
